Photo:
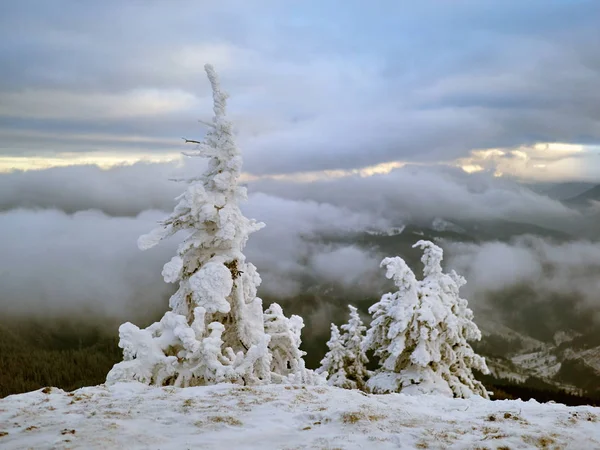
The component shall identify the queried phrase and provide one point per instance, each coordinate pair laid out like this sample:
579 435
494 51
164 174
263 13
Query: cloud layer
87 263
69 239
550 270
407 194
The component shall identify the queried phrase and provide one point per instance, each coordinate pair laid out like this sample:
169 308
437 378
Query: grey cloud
411 194
55 265
533 274
320 97
87 263
120 191
290 254
421 193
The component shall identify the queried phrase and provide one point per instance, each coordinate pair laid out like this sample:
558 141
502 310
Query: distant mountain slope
585 198
132 416
564 191
399 240
34 354
572 364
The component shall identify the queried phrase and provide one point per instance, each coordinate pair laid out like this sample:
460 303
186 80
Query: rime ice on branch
214 331
420 333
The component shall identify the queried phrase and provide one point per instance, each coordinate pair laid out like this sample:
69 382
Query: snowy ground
131 415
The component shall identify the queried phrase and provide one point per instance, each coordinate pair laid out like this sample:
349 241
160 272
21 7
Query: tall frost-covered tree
420 333
356 359
214 331
334 361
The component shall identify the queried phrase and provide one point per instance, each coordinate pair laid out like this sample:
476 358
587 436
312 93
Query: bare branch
191 141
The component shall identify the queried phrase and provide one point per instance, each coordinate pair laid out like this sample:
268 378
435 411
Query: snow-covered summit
135 416
393 231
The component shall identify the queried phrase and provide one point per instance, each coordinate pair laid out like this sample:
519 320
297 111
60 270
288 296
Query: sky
349 115
508 87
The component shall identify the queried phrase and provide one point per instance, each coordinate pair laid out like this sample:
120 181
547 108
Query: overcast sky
314 85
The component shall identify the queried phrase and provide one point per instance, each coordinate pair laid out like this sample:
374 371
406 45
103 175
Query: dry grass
229 420
493 433
358 416
542 442
220 420
586 416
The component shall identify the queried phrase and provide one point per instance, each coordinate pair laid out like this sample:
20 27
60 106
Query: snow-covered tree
356 359
287 363
285 340
214 331
420 333
332 364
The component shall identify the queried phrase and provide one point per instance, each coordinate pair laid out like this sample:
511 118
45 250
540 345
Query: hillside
585 198
563 191
34 354
132 415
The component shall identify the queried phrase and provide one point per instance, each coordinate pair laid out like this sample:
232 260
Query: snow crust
136 416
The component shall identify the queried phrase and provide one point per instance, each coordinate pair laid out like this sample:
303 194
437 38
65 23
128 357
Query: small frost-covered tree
420 333
285 341
356 359
214 331
334 361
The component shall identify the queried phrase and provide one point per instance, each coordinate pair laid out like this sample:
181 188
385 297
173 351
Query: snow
136 416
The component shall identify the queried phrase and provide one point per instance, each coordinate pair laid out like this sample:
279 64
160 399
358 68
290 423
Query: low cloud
569 270
59 257
119 191
87 263
421 193
290 252
408 194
